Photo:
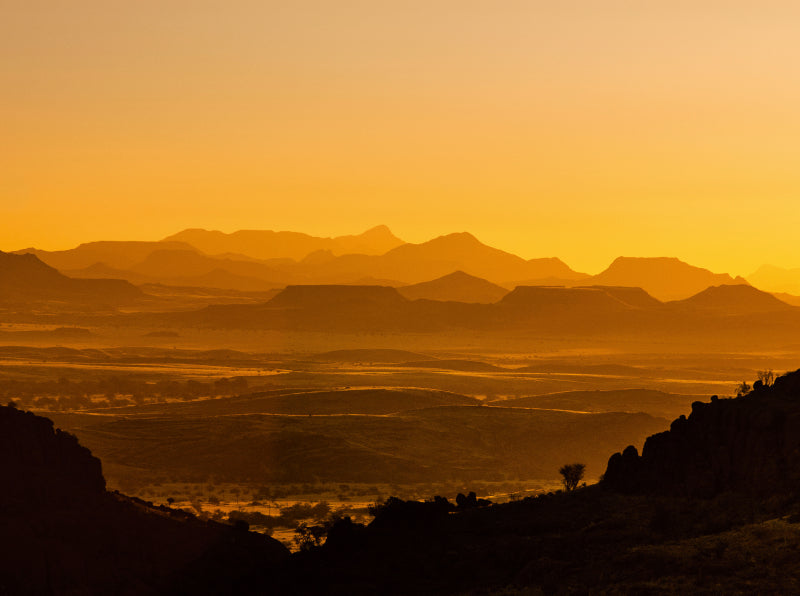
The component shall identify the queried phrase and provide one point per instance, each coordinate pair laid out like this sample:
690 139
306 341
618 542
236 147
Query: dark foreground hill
62 533
742 538
751 443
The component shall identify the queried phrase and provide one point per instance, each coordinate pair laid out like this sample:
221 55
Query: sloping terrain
459 442
656 403
25 277
455 287
266 244
62 533
728 300
666 278
751 443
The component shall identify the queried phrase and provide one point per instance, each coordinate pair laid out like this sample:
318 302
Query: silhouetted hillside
266 244
776 279
415 263
733 300
327 296
787 298
42 464
25 277
113 253
656 403
62 533
543 301
190 268
458 287
371 355
666 278
632 296
103 271
750 443
741 454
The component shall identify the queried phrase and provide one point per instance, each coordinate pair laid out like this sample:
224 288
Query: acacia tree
573 474
766 377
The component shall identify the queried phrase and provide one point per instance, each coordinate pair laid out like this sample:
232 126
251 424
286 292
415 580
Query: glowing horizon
579 132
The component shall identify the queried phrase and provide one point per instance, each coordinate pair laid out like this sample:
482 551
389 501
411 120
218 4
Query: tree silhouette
742 389
573 474
766 377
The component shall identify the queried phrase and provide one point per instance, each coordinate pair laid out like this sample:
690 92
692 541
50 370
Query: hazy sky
579 129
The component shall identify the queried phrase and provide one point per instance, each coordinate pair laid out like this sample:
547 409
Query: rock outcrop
61 532
748 444
43 465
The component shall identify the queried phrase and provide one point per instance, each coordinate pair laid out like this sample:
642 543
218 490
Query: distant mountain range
455 287
732 313
456 301
25 278
112 253
266 244
663 277
776 279
453 267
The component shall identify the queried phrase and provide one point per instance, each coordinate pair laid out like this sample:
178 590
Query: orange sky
544 128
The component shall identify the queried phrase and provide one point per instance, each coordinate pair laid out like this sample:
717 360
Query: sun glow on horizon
580 132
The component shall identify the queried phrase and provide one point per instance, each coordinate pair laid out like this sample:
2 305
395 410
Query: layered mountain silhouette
266 244
260 259
734 300
112 253
416 263
730 313
666 278
183 265
25 277
458 287
776 279
192 269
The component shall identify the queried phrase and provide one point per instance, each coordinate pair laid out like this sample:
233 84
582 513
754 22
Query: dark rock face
41 464
749 444
61 532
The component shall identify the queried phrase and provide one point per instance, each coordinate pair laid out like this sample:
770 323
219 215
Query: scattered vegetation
63 394
572 474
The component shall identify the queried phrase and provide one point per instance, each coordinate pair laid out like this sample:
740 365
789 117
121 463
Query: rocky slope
750 443
62 533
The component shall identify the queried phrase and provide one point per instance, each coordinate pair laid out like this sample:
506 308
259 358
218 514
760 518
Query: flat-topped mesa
747 444
41 465
325 296
630 295
557 298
